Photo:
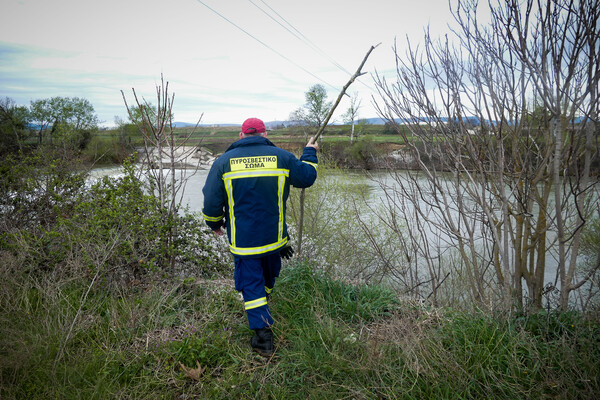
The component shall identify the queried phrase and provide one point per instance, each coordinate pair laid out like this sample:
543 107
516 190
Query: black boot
262 342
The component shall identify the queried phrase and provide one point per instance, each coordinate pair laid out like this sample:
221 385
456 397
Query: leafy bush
112 147
114 229
362 153
104 151
35 190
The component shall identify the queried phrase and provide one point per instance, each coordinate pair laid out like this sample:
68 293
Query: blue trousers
255 278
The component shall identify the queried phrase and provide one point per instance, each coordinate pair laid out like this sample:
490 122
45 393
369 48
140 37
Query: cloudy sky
226 60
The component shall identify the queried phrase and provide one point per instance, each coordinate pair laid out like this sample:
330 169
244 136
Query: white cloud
94 49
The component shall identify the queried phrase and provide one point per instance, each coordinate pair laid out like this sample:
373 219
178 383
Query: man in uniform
246 192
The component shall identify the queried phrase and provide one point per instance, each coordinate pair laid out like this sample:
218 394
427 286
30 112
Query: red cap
253 125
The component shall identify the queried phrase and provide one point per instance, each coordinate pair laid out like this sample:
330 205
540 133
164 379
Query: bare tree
163 150
351 113
506 128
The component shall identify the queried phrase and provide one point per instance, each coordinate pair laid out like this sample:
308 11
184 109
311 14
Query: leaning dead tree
500 122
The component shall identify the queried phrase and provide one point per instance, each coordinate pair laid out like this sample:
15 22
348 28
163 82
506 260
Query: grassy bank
113 146
189 339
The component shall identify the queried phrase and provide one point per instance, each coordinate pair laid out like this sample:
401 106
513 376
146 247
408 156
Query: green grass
113 146
207 135
334 341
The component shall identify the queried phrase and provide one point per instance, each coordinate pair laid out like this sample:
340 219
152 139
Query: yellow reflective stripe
229 190
249 305
313 164
268 290
246 251
255 173
281 184
214 219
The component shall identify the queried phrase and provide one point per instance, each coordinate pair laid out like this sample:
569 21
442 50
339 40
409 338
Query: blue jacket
248 187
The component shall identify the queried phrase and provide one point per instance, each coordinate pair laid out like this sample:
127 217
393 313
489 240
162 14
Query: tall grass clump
72 254
362 341
189 339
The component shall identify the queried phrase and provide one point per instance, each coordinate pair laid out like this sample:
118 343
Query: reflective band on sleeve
280 205
268 290
213 219
249 305
310 163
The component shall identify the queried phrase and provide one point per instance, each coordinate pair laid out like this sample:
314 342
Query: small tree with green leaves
315 109
64 122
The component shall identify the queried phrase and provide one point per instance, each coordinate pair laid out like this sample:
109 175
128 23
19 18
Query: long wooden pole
320 132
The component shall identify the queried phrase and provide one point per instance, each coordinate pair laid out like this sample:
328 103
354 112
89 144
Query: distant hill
182 124
277 124
380 121
372 121
475 121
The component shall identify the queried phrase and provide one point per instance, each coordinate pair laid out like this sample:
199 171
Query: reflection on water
193 197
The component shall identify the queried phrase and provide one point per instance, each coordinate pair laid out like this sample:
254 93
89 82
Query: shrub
35 190
113 229
362 153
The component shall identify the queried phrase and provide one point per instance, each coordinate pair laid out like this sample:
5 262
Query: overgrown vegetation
90 308
189 339
54 222
339 236
108 289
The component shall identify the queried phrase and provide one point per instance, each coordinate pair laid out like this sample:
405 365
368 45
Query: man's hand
287 252
220 231
312 143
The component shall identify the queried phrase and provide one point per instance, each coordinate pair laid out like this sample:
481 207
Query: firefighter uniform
247 187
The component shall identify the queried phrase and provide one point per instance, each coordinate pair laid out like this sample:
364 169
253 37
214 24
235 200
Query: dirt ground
389 147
